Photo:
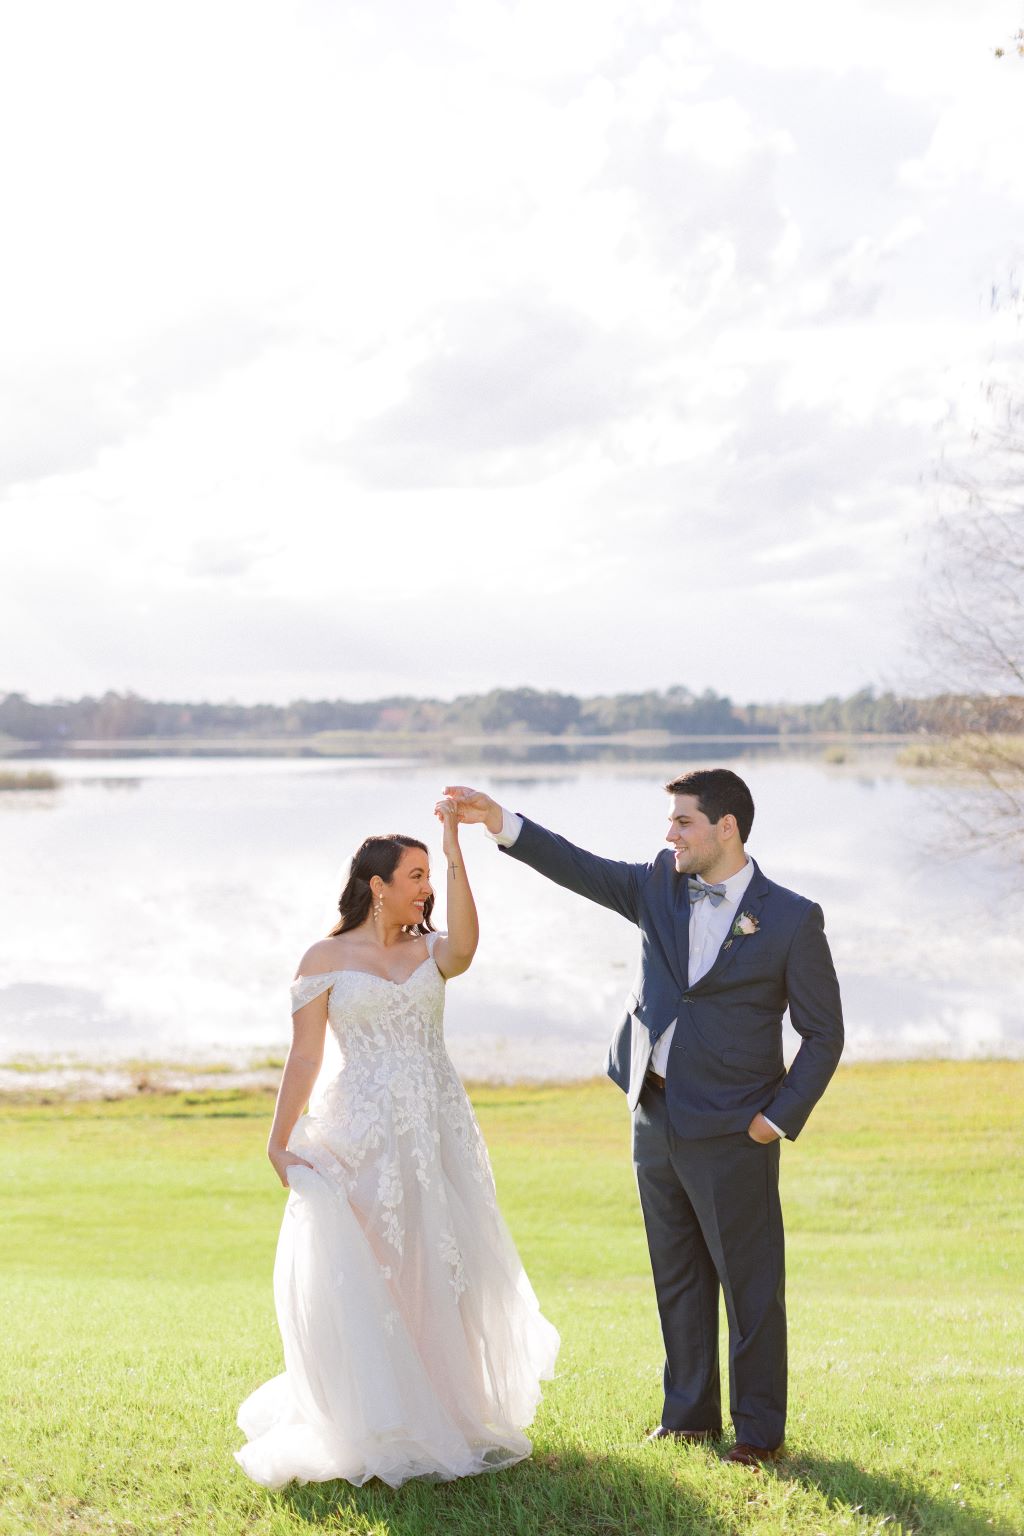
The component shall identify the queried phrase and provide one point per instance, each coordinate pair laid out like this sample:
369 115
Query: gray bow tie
699 889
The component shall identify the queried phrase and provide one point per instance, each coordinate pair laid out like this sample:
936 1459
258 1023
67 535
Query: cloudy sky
359 348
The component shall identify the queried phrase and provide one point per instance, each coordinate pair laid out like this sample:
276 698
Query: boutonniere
743 927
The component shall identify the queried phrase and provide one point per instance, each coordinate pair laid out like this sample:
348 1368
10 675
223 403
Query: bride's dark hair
376 856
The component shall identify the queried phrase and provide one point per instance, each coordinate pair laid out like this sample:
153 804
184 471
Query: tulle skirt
413 1342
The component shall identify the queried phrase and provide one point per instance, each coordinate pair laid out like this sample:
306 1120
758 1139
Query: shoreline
428 744
64 1081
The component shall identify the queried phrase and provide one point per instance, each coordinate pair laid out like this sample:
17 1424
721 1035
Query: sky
355 349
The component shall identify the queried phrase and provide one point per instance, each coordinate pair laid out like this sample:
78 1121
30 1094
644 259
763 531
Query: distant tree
526 709
974 623
115 717
26 721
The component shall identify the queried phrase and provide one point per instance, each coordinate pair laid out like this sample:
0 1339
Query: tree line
504 711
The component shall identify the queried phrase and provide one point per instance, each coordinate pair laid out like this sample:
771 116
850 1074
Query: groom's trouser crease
713 1217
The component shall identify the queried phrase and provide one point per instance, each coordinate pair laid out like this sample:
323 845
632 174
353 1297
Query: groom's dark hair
718 792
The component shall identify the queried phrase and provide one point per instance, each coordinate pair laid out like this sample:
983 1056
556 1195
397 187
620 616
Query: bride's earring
378 907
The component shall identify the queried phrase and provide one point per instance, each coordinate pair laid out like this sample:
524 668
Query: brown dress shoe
752 1455
694 1436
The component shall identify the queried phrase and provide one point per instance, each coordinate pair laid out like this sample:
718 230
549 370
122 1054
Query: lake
157 907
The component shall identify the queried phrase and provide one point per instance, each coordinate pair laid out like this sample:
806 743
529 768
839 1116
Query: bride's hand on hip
473 805
282 1160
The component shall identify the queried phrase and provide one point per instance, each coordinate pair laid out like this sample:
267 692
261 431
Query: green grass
135 1272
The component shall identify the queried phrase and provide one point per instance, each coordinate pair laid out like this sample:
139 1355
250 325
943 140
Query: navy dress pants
714 1224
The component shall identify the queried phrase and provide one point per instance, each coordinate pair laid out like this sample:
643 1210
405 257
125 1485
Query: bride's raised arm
454 953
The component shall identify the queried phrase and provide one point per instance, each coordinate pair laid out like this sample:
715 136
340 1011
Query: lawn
135 1270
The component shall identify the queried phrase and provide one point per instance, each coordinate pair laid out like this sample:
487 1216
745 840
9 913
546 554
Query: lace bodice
367 1012
395 1087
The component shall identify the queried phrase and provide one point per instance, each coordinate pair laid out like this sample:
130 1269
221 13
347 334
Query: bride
413 1342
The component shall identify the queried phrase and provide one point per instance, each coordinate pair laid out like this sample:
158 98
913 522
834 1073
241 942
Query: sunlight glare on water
159 907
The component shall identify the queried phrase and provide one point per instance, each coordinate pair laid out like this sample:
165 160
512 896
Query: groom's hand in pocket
760 1130
473 805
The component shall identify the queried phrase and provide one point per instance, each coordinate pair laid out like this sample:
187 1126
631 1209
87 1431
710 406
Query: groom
723 952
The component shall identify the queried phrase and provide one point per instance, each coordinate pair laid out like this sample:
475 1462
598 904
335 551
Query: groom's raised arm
610 882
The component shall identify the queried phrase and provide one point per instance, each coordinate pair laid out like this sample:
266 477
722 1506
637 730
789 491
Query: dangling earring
378 907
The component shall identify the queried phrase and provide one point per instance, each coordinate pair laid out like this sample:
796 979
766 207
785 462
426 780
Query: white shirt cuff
511 826
777 1128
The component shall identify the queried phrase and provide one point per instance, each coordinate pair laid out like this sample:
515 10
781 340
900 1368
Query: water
158 907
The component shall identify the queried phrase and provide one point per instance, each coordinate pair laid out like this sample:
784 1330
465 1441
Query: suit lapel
681 928
751 901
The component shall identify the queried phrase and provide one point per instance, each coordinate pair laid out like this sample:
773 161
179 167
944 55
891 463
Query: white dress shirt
709 927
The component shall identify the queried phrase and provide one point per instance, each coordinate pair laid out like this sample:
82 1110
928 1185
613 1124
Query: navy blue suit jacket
725 1061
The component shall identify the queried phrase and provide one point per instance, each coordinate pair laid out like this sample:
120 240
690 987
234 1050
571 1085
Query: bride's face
410 887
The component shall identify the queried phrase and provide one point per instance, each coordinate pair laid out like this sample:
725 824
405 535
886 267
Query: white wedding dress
413 1342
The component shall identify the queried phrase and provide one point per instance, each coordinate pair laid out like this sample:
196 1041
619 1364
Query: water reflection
693 750
168 920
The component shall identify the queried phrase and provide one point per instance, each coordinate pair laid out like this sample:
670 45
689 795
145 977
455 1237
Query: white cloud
348 352
720 133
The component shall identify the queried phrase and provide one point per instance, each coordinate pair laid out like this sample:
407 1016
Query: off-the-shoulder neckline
351 970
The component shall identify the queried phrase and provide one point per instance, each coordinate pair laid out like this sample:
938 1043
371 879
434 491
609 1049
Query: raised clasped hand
447 812
473 805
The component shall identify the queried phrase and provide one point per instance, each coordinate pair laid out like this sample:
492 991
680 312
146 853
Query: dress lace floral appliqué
392 1253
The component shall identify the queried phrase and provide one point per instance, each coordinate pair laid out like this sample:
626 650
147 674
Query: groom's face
695 840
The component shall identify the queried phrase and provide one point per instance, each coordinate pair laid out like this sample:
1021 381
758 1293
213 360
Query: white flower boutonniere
742 928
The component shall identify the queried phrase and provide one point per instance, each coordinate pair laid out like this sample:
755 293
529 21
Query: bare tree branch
973 627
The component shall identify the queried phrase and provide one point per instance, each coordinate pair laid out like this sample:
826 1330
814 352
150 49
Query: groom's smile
691 836
702 847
